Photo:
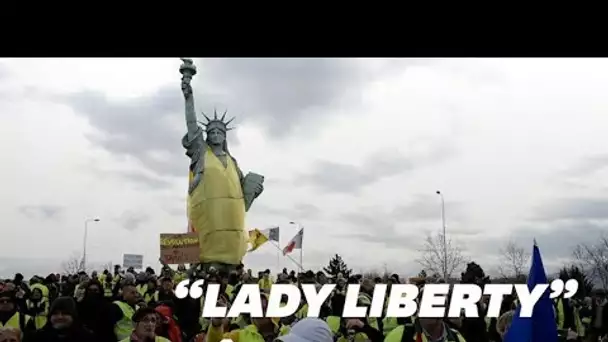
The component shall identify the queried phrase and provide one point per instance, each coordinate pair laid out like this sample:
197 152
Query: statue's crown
217 122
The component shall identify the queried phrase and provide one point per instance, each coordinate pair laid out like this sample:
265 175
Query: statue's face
215 136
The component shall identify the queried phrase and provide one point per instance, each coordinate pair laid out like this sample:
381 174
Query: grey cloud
344 178
281 93
138 179
144 181
136 128
574 209
350 179
555 239
419 217
44 212
306 210
131 221
588 166
427 207
300 211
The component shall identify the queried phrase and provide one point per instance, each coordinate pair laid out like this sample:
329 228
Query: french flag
295 243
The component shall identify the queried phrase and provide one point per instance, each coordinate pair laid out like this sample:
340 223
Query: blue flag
541 327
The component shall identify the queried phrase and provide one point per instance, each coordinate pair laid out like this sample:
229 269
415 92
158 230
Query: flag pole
290 258
301 249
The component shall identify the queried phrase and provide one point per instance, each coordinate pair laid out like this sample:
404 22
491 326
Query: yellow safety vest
397 334
142 289
366 300
41 318
250 334
561 318
13 322
148 297
107 290
580 327
156 339
124 327
229 291
265 284
302 312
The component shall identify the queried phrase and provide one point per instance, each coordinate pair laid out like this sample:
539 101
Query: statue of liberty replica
218 193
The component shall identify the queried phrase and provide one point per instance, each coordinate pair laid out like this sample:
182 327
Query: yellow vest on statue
124 327
216 211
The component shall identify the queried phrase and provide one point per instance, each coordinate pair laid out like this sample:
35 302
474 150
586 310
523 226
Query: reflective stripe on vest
151 296
124 327
41 318
142 289
13 322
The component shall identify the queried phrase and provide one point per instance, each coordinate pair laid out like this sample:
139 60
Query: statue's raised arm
188 70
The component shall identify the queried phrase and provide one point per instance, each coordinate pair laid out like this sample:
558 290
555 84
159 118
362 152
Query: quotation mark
558 287
183 289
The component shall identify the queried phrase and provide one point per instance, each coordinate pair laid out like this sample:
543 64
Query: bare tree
515 259
434 257
73 264
106 266
593 260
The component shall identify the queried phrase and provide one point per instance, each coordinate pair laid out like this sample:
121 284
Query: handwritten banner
179 248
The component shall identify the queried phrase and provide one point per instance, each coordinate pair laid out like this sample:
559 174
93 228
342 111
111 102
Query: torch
187 69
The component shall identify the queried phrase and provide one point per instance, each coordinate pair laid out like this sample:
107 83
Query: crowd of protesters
130 306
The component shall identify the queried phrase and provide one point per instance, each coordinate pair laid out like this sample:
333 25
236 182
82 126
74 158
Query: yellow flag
256 239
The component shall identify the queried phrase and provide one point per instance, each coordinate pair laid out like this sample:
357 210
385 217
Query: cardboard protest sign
179 248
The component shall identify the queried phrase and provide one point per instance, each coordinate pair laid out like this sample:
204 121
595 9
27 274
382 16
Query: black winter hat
65 305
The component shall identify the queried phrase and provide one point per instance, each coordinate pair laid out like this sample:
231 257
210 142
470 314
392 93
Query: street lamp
84 244
445 244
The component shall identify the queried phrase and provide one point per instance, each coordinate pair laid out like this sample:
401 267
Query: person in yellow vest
122 311
564 315
63 324
150 296
108 287
11 317
38 304
265 283
365 299
425 330
262 329
145 321
180 274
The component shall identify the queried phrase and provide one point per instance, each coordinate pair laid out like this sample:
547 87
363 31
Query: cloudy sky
354 150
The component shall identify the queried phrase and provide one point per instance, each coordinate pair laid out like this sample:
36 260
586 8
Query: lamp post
84 244
445 244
